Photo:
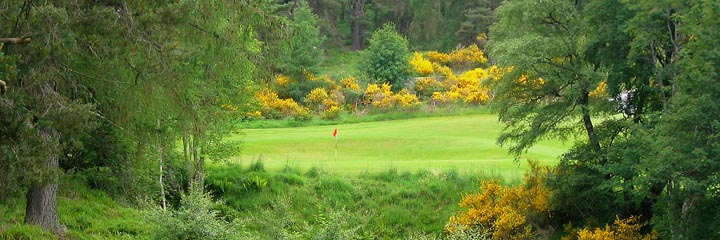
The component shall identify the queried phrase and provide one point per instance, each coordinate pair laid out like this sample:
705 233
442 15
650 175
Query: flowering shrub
377 95
444 71
281 80
495 73
327 97
254 115
465 88
438 57
332 112
350 83
427 86
506 212
274 107
421 65
622 229
382 97
315 98
467 57
472 77
405 100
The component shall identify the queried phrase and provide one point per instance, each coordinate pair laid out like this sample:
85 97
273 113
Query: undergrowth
87 214
374 205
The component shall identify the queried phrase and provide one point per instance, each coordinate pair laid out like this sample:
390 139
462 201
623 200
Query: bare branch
19 40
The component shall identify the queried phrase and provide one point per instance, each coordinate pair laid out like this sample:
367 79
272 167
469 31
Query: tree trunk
160 159
589 128
357 25
41 208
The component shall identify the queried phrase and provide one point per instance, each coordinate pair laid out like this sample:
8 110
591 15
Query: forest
133 119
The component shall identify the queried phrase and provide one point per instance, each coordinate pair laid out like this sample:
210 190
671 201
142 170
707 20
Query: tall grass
87 214
388 204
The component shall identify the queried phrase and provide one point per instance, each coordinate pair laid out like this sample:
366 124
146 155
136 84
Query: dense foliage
386 59
134 98
106 90
624 79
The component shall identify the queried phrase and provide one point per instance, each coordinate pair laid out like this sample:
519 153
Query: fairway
465 143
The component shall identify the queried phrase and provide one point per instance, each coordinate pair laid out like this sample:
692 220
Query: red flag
335 133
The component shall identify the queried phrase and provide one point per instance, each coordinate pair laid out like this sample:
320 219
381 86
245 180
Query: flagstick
336 148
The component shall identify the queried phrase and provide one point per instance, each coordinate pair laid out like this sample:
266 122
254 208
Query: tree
550 83
46 109
149 74
648 64
305 50
386 59
687 159
478 16
358 18
567 80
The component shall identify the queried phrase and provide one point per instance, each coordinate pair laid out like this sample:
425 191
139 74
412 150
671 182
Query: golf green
465 143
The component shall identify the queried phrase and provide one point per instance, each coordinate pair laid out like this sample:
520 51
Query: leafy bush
196 218
386 59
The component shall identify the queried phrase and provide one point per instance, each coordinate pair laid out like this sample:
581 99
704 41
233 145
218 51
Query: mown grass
464 142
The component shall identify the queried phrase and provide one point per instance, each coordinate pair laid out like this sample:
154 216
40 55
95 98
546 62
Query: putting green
466 143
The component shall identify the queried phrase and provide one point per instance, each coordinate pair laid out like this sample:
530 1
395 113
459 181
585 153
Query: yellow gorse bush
467 56
472 77
350 83
506 212
444 71
281 80
622 229
381 96
315 97
427 85
405 99
438 57
254 115
421 65
376 94
274 107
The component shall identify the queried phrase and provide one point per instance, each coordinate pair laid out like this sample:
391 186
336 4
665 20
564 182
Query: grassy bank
87 214
313 204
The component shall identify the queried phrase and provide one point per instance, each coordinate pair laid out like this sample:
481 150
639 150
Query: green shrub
387 58
196 218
